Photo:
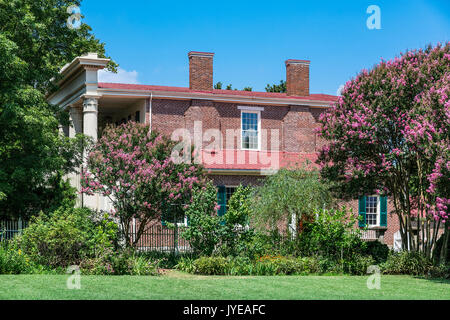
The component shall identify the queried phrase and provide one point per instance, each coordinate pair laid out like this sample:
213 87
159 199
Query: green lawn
177 285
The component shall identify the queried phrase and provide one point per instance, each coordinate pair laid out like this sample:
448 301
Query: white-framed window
229 190
250 129
372 211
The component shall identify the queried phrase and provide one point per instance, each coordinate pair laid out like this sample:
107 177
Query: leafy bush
407 262
288 194
67 237
125 262
377 250
13 261
264 266
211 265
186 264
331 235
205 228
357 265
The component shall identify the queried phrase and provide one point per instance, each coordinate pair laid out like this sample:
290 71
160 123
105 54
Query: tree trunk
444 248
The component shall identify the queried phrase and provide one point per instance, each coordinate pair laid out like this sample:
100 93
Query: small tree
134 169
389 134
289 196
205 229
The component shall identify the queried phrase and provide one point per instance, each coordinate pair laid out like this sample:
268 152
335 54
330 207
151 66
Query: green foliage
331 234
67 237
407 262
273 265
357 264
239 206
45 42
35 43
186 264
277 87
13 261
211 265
377 250
125 262
205 228
288 193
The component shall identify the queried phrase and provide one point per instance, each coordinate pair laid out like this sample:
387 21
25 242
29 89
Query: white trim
248 108
258 113
378 211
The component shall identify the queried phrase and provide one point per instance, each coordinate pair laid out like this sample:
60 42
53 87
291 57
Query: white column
76 126
90 124
90 115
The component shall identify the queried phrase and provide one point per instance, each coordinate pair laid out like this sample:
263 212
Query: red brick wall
296 126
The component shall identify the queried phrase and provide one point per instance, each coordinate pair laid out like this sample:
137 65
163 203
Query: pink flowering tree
388 133
134 169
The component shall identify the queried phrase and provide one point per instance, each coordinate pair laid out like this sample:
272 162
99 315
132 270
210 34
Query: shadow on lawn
435 280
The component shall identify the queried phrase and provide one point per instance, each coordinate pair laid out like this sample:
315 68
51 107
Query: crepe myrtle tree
388 133
134 168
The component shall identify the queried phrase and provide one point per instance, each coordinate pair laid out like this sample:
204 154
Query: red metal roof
254 160
124 86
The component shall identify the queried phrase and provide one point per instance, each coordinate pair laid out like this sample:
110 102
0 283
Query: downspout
150 112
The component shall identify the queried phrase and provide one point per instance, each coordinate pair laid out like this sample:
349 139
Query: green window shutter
383 211
362 211
221 200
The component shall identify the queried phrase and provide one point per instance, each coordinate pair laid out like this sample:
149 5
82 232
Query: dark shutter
222 200
137 117
383 211
362 211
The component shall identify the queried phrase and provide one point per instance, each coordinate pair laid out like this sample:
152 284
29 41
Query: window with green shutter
222 200
383 211
362 211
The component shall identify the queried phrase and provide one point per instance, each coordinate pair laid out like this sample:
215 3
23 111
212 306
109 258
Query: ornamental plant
133 167
388 134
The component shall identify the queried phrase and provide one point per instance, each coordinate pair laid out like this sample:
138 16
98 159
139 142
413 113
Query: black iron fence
161 238
10 228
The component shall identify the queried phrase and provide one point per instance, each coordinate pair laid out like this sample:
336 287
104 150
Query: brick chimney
200 70
297 77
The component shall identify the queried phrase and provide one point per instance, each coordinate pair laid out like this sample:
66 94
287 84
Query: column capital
90 104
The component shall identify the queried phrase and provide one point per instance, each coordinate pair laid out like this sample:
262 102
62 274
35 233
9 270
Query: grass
179 286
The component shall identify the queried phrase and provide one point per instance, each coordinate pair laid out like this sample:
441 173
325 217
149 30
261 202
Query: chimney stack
200 70
297 77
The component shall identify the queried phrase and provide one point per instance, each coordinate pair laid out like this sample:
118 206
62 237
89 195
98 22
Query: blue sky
252 39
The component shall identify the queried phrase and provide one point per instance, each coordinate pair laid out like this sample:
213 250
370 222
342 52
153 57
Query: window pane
371 210
249 130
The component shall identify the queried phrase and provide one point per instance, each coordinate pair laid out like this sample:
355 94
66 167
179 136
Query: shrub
211 265
66 237
377 250
331 235
186 264
13 261
125 262
288 194
357 265
407 262
205 229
